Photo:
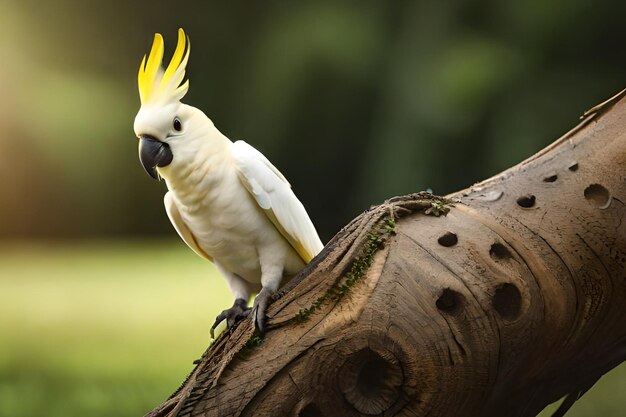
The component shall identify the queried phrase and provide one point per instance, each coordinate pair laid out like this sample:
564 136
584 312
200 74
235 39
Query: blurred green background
102 308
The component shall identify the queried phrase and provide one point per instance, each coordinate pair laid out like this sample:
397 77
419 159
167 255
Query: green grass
605 399
111 329
101 329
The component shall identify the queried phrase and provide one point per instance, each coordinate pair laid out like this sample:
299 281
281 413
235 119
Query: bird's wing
181 227
273 194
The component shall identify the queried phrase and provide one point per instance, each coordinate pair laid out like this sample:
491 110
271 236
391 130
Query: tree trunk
496 300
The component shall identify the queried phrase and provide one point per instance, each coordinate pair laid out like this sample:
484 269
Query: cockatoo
228 203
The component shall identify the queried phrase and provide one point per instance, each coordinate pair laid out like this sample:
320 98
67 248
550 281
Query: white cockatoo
228 203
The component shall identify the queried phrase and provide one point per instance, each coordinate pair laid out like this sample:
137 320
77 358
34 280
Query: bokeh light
102 307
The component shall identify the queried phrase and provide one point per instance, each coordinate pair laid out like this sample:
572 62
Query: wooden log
496 300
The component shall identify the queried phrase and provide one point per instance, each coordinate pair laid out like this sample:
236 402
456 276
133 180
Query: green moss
439 206
360 265
252 343
390 225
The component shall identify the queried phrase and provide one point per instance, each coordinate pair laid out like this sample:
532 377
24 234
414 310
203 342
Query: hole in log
550 177
598 196
526 201
573 166
507 301
311 410
499 251
449 301
371 373
371 383
448 239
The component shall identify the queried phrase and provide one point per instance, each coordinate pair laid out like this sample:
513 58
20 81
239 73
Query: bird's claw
238 311
261 302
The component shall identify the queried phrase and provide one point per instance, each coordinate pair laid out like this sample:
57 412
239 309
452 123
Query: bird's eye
178 126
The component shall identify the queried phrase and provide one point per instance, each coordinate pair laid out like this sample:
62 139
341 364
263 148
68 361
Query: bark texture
496 300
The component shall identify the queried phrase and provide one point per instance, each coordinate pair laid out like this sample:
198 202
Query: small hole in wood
507 301
371 382
598 196
526 201
550 178
372 372
449 301
499 251
448 239
573 166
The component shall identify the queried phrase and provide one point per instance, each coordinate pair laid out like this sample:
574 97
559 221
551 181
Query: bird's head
165 126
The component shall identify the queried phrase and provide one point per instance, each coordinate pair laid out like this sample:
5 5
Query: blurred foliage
101 329
353 101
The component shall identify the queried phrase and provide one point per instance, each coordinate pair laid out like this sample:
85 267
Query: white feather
273 194
181 227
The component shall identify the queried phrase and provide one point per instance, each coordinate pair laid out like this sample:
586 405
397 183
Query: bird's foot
261 302
238 311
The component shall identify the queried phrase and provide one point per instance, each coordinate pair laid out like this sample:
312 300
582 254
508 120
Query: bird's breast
228 224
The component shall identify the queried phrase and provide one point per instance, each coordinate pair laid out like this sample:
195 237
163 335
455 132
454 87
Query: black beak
153 154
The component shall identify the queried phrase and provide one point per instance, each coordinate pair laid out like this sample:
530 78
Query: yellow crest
156 85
